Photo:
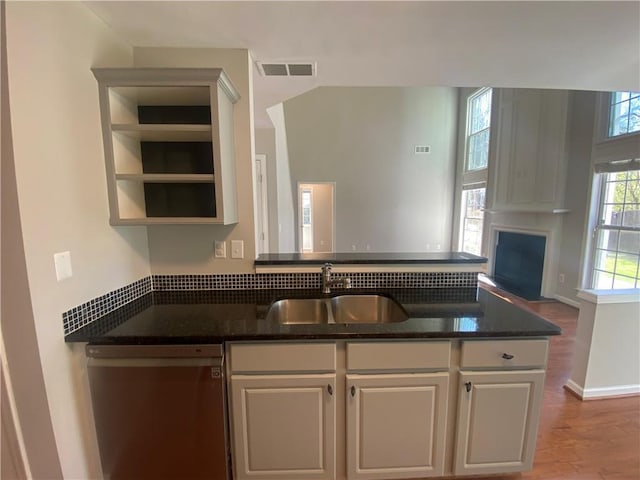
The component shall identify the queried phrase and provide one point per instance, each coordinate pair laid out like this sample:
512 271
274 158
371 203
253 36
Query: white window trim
476 172
606 150
610 149
596 208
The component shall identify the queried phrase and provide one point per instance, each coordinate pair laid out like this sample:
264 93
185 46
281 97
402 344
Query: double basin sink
338 309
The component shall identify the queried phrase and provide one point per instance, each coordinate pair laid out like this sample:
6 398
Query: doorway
316 217
262 208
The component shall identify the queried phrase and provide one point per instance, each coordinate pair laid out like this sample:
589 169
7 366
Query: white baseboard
568 301
604 392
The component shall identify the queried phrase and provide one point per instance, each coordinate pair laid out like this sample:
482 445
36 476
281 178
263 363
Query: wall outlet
62 261
237 249
220 249
561 278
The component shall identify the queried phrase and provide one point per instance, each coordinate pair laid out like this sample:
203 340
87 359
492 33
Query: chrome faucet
328 282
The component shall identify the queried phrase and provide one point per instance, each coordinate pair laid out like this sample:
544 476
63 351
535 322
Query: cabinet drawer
398 356
504 353
282 357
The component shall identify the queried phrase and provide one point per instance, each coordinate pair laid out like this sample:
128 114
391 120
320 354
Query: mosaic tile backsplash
86 313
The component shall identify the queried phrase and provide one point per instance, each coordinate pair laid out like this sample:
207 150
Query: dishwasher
160 411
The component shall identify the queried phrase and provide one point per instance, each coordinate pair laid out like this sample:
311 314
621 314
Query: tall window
478 123
616 262
615 213
474 177
624 113
472 218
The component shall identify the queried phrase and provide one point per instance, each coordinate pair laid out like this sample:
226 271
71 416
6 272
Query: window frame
609 154
463 207
603 122
467 133
598 207
470 179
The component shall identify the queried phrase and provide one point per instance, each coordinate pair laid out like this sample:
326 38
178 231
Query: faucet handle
327 266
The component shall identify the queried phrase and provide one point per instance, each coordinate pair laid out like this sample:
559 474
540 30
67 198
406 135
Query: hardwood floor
591 440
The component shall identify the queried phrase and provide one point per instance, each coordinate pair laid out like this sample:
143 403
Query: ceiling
578 45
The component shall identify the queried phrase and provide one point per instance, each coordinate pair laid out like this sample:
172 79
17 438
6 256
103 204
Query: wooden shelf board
167 177
165 221
164 132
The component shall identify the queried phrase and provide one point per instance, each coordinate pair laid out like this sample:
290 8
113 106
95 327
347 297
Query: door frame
262 203
298 226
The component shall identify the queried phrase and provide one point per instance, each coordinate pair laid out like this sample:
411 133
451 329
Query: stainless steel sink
299 310
366 309
339 309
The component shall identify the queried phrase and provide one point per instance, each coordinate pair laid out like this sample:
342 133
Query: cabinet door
529 155
396 425
283 426
497 421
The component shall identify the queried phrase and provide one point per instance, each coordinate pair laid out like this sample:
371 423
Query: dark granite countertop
189 317
363 258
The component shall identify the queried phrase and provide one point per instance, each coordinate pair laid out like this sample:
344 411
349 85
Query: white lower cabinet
361 410
283 426
396 425
498 410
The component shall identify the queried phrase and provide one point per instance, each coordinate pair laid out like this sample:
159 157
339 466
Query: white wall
580 136
363 139
266 144
188 249
286 215
61 186
606 358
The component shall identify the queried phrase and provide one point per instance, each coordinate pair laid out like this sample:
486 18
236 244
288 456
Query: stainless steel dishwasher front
160 411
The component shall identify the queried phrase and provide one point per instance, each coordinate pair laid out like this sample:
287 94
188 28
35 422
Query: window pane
616 254
629 242
479 121
472 220
607 240
480 112
478 150
603 280
624 113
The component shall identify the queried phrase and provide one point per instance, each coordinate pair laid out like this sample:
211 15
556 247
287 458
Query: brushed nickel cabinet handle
506 356
353 391
468 386
330 389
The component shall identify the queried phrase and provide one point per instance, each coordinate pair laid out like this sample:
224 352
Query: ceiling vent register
286 69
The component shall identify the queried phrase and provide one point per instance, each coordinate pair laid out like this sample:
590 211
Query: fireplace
519 263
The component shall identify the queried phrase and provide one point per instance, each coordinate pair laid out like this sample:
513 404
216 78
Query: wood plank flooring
591 440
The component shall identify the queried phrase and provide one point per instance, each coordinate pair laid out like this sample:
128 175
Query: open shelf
169 147
167 177
164 132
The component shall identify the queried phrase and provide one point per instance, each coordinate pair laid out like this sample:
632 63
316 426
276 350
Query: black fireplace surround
519 262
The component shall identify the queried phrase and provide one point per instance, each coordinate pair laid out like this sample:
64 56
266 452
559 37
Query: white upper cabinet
168 144
528 154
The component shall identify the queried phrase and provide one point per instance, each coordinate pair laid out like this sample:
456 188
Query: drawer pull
506 356
353 391
330 389
468 386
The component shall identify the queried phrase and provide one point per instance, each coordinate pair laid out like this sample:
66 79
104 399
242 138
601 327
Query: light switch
62 262
220 249
237 249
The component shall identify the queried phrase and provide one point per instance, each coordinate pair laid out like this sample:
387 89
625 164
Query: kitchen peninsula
463 365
